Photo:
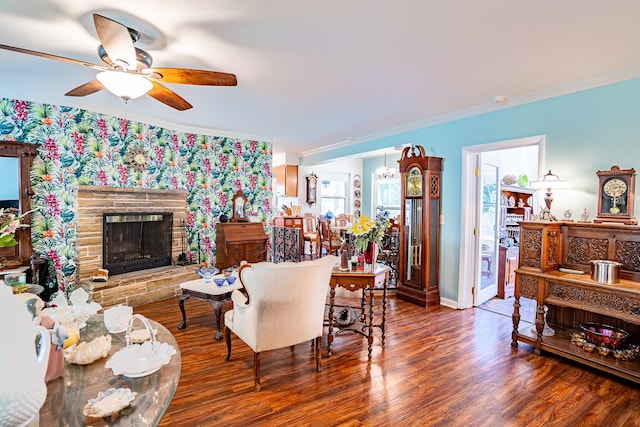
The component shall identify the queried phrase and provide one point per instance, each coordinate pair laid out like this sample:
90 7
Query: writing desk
366 282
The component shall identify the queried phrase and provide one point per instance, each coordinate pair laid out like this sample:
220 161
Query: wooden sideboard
240 241
573 298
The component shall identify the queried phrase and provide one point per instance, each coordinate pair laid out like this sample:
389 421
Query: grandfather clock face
414 183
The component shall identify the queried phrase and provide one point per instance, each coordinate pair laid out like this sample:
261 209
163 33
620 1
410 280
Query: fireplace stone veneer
139 287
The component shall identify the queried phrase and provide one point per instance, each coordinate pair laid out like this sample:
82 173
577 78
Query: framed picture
239 207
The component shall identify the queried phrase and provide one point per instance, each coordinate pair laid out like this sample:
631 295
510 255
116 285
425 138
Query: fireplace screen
136 241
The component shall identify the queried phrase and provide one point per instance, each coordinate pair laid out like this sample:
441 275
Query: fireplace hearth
136 241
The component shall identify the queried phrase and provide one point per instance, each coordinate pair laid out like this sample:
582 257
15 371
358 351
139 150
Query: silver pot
605 271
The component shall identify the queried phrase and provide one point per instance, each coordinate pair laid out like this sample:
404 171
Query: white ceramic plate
109 402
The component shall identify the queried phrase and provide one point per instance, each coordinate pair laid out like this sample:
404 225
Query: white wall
351 166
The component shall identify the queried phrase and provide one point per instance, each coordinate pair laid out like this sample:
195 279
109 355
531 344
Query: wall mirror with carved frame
16 159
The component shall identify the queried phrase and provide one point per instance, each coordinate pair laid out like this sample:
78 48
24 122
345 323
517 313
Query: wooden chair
341 220
284 306
311 233
328 241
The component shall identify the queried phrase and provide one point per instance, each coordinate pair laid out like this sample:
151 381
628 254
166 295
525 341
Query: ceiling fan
127 71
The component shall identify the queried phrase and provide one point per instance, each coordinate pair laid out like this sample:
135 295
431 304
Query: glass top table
67 396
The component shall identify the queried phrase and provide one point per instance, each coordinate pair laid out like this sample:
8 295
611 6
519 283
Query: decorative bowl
604 335
207 273
109 402
220 281
231 279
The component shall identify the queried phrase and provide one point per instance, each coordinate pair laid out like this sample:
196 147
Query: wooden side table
216 295
365 281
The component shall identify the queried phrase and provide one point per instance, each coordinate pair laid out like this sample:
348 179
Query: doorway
484 167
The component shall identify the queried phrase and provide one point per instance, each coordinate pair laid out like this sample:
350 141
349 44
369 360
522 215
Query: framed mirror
15 167
239 207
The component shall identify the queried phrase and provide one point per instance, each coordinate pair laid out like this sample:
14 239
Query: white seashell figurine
88 352
22 386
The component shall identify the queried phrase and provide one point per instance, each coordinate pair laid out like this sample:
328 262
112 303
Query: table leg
183 324
217 308
384 307
515 318
370 334
332 295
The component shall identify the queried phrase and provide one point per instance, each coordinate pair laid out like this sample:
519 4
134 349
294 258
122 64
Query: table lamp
548 182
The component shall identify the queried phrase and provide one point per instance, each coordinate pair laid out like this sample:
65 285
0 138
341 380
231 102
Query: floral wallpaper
79 147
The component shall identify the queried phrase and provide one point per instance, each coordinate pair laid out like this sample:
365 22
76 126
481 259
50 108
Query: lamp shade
125 85
549 181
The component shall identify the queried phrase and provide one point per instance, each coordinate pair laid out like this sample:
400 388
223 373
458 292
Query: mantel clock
616 191
420 227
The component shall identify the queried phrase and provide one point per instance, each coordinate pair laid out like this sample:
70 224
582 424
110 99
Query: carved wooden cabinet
240 241
574 298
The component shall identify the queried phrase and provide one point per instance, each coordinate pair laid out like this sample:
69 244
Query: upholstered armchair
283 306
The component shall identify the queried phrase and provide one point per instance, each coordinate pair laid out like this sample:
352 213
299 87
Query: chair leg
318 360
256 370
227 337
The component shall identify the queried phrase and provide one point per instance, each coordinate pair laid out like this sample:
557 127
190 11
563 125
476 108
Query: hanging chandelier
384 172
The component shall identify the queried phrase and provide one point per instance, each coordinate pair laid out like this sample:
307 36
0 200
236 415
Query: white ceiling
314 74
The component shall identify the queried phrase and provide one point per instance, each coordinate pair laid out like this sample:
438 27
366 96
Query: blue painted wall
585 131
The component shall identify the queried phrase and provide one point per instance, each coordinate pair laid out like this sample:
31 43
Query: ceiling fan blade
50 56
116 40
192 77
168 97
86 89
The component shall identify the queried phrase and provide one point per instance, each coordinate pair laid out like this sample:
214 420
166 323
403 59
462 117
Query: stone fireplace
126 285
136 241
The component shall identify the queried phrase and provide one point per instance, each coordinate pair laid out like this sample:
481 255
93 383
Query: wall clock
312 188
616 191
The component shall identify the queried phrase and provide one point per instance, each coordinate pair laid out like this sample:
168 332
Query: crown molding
552 92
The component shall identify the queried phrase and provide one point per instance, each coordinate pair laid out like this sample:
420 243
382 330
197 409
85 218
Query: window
334 195
388 194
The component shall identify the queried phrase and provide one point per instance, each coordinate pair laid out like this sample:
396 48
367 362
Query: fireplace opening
136 241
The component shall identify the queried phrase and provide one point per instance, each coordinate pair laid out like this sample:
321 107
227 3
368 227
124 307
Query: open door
488 231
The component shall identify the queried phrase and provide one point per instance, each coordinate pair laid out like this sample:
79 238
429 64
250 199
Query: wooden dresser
572 298
240 241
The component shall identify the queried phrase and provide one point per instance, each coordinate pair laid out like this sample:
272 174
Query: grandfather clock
420 227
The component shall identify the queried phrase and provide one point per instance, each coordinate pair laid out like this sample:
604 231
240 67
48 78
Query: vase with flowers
368 234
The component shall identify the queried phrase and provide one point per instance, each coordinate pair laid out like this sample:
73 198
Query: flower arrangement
368 230
8 225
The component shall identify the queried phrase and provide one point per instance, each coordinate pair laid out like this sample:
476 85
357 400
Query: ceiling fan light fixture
125 85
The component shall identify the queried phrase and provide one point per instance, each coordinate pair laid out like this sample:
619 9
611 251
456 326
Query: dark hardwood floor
439 367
